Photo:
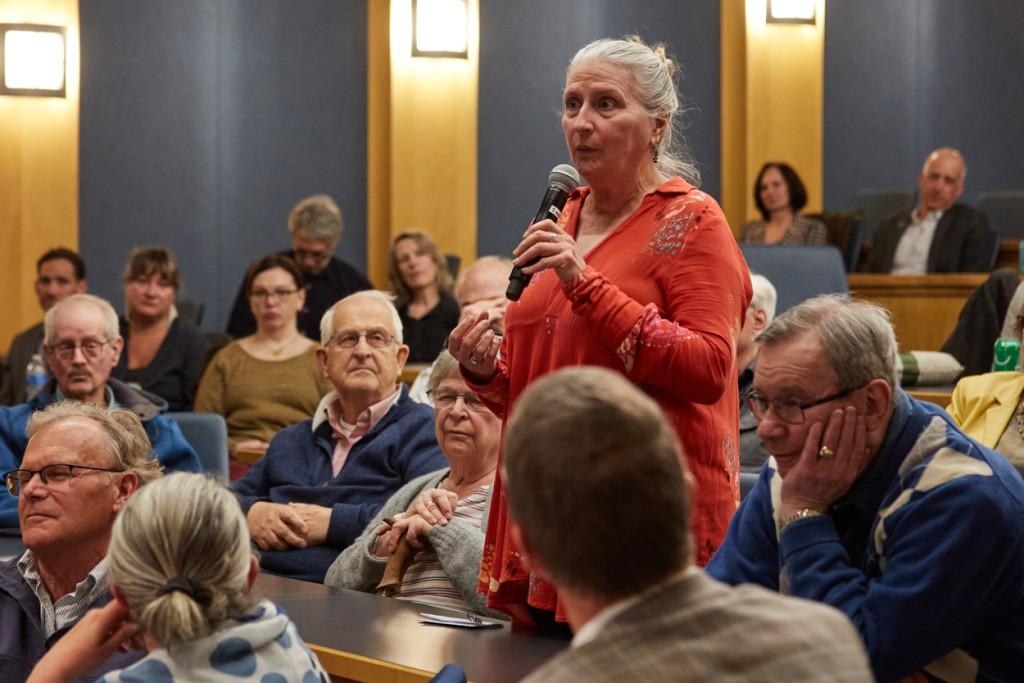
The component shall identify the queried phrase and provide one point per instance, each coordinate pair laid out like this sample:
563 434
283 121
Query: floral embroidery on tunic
677 224
655 332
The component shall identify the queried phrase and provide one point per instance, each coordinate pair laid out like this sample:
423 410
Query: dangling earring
654 154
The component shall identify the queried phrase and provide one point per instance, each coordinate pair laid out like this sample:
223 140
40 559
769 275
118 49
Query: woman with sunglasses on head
269 380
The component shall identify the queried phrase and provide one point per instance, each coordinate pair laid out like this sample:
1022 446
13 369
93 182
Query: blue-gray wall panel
902 78
204 121
524 49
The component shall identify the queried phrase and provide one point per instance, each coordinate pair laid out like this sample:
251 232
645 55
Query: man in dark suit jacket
939 235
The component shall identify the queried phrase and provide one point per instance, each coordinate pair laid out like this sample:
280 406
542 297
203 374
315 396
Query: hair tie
178 583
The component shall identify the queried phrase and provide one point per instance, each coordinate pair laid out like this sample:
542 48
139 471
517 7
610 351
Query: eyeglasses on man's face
790 410
91 348
349 339
280 294
56 477
445 399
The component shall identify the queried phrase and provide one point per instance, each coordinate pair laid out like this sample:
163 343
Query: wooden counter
924 308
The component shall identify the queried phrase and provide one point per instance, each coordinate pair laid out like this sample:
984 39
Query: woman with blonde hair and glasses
422 285
269 380
182 572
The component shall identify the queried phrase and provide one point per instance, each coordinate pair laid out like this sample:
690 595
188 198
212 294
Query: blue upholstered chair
798 273
846 232
1005 211
208 434
451 673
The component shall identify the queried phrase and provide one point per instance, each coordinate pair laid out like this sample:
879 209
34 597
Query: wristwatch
805 513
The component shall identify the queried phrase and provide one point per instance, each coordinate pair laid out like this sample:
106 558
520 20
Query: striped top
425 580
802 231
67 609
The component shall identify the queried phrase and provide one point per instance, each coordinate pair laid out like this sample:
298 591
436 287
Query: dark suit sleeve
241 323
979 242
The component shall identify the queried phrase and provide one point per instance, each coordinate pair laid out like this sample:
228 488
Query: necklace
276 351
1018 418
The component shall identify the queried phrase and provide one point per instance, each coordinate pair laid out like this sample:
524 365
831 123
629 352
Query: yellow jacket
982 405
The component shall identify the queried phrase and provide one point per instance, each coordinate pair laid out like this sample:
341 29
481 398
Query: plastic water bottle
36 376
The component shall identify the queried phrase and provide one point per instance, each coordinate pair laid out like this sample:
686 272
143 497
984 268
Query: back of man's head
595 483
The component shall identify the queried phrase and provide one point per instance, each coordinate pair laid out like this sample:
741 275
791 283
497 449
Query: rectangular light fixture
792 12
440 28
32 60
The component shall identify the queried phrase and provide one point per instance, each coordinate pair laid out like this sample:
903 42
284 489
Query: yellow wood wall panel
38 170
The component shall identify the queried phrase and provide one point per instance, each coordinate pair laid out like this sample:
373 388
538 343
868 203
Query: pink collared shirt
348 435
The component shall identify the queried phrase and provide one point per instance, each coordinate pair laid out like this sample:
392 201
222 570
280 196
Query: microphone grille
565 177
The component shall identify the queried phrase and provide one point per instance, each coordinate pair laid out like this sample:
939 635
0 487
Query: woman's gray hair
110 323
317 219
857 337
444 367
127 443
188 527
764 296
652 71
386 299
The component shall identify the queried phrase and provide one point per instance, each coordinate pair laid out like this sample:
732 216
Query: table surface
364 637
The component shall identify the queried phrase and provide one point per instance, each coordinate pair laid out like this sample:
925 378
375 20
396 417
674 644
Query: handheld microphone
562 180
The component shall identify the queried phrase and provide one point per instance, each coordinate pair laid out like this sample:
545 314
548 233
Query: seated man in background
617 544
82 346
81 464
939 235
315 225
60 273
876 504
759 313
479 289
324 479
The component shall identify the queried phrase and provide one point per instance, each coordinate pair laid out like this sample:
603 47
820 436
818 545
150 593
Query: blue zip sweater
924 553
297 468
169 444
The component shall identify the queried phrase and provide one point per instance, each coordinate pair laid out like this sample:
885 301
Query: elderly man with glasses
876 504
81 464
82 345
324 479
315 226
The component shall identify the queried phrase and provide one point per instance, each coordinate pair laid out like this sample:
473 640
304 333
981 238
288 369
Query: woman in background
269 380
780 194
163 354
423 289
182 571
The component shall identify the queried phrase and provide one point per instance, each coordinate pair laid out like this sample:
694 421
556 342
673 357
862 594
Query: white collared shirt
54 616
911 257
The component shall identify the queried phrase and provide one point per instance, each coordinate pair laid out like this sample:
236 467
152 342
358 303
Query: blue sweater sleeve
926 602
750 551
254 486
170 446
12 448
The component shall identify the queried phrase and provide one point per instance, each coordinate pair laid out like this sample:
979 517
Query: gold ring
824 453
476 360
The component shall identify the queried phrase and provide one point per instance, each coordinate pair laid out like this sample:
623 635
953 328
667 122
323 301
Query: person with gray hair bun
639 274
759 314
877 504
438 517
182 574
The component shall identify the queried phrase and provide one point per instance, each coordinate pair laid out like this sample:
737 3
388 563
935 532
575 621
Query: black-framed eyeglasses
349 339
446 400
310 255
91 348
55 476
790 410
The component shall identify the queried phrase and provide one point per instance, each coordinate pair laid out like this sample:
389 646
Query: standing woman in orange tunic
641 274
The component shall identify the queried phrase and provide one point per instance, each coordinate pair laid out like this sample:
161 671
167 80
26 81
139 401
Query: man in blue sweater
876 504
82 345
324 479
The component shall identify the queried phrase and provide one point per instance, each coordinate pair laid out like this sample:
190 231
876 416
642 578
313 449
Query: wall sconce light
440 28
792 12
32 59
